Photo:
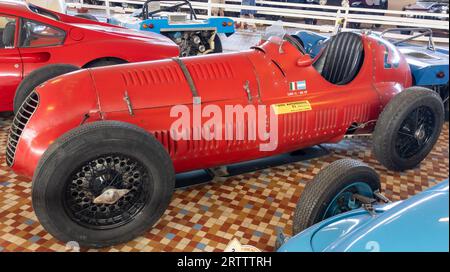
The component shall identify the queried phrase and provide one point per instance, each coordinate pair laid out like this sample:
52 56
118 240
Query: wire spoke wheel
112 182
408 128
114 172
415 132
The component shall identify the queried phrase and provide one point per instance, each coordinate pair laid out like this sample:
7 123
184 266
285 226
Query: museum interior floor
249 206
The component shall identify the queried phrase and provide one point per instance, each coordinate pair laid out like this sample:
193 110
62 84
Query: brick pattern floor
250 207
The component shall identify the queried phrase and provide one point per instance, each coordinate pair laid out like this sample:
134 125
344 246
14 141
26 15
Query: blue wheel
333 191
344 200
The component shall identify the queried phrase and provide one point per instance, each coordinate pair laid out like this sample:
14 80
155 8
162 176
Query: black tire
445 97
394 124
86 16
57 169
217 45
36 78
326 185
446 110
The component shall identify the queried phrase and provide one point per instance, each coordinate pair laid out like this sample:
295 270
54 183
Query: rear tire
446 110
445 97
408 128
341 177
90 159
36 78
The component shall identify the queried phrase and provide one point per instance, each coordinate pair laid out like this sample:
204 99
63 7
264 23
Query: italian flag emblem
297 85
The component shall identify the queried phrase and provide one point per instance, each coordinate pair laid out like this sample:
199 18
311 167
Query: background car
431 7
193 36
38 44
342 210
437 6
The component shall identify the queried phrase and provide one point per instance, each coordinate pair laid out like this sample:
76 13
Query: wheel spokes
101 175
414 132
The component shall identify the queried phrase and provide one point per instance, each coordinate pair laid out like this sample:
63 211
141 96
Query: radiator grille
20 121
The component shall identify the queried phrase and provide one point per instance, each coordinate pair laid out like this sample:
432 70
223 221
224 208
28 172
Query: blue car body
428 67
162 24
418 224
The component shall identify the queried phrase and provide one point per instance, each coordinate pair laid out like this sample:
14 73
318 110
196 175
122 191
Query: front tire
408 128
331 192
85 162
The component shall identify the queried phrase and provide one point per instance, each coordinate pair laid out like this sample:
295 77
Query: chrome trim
18 124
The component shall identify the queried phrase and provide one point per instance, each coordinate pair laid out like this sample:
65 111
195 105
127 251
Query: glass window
7 31
35 34
47 13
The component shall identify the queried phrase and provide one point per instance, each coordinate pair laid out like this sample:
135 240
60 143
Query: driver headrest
8 34
341 59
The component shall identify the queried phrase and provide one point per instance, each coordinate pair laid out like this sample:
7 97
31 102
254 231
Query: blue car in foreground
429 64
340 211
193 36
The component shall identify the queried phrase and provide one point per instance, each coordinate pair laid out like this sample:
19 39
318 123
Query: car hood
128 33
417 224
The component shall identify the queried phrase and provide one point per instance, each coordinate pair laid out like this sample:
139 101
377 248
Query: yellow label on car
291 107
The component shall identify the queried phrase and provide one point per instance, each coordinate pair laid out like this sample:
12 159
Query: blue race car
340 211
429 65
193 36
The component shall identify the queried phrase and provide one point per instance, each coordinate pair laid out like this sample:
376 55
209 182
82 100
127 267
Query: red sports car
33 40
103 145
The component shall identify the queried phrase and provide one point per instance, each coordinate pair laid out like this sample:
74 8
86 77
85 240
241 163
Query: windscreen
276 30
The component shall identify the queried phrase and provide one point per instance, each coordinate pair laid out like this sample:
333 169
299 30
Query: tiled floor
249 207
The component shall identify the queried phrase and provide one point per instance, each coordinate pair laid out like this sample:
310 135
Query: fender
37 136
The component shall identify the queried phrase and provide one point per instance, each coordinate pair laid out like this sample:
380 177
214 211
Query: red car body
84 42
153 88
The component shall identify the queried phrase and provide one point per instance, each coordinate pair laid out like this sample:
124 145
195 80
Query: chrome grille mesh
20 121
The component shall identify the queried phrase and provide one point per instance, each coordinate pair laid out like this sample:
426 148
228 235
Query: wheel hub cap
415 132
110 196
420 134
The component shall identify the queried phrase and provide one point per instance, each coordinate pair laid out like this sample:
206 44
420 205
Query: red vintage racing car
103 145
37 44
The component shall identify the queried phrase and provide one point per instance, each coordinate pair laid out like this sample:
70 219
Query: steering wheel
295 42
